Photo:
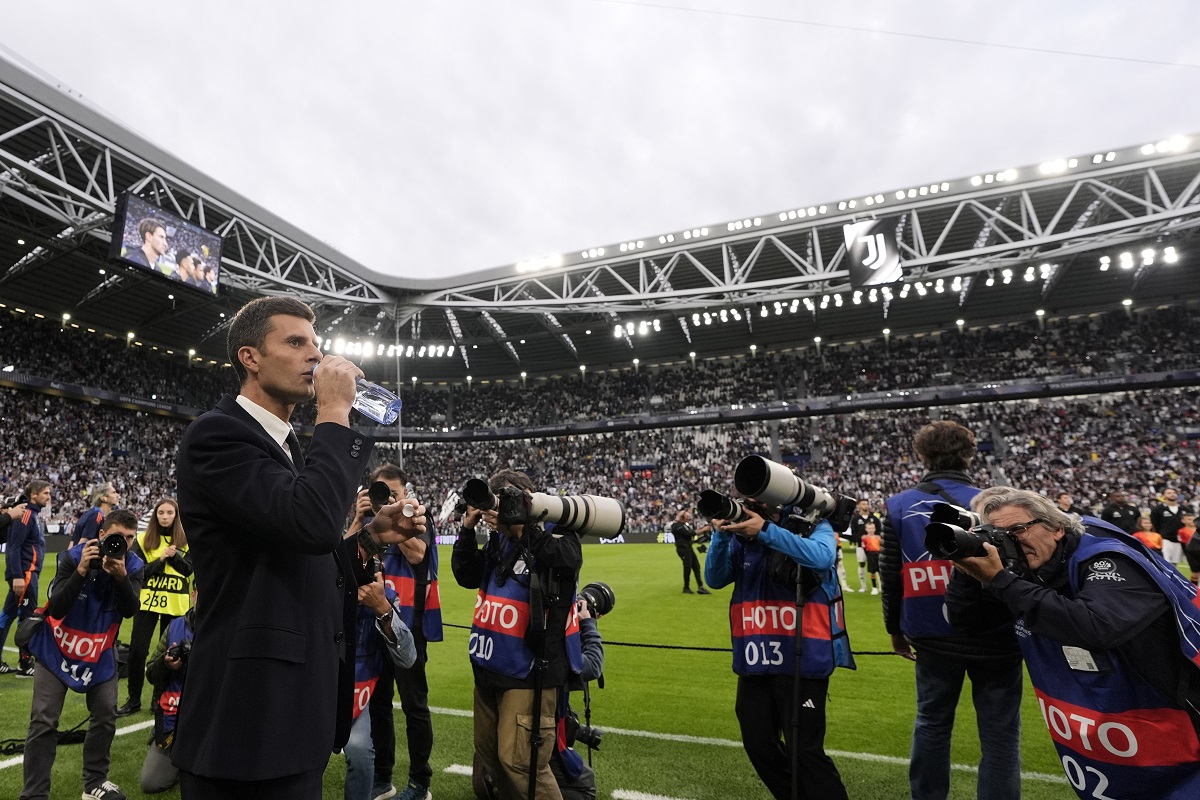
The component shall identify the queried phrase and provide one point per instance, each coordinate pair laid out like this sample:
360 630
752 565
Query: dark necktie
293 443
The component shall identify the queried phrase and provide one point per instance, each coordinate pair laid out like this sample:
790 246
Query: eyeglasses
1021 527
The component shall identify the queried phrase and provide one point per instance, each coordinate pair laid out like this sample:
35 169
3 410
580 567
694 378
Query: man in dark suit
270 680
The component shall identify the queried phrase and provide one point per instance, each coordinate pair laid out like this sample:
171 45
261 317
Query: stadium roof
985 249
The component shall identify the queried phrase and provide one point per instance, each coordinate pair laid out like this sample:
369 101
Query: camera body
946 537
112 545
180 650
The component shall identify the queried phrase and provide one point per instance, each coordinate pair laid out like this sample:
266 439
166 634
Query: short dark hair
35 486
148 226
389 470
511 476
181 255
252 323
945 445
119 516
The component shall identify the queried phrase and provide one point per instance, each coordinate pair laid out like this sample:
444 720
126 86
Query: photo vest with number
400 577
925 579
168 701
368 659
167 592
77 649
501 620
762 619
1116 735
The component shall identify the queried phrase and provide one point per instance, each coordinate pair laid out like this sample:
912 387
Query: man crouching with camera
524 638
1111 636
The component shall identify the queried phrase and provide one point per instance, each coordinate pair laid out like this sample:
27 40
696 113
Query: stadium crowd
1112 343
1088 444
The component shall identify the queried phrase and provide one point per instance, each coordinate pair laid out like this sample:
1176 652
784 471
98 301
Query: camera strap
931 487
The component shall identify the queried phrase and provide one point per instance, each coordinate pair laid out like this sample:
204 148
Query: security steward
1111 635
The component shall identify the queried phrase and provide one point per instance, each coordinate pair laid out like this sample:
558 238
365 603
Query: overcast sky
435 138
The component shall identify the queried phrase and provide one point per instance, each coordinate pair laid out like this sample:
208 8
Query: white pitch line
626 794
140 726
458 769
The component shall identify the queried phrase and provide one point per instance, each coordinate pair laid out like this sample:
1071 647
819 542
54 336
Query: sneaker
874 590
846 587
702 590
6 668
24 671
105 791
862 589
382 791
687 590
130 707
415 791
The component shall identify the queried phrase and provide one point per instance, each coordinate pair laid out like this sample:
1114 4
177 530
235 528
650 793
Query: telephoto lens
599 598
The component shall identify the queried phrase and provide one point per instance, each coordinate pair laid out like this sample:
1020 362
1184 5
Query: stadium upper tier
1115 343
1074 235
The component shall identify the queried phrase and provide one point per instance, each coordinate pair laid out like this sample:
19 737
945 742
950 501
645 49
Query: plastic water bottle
375 402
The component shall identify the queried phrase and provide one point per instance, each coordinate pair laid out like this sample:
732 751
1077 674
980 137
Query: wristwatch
384 619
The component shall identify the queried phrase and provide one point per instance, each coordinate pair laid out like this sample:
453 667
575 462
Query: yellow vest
168 592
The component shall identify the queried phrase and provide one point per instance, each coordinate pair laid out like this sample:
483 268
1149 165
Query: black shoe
687 590
130 707
702 590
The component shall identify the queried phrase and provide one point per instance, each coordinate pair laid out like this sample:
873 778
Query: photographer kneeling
524 638
761 559
1109 633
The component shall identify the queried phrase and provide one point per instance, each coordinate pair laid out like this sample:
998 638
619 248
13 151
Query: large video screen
159 242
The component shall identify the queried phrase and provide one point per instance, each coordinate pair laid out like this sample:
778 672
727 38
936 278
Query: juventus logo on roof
872 253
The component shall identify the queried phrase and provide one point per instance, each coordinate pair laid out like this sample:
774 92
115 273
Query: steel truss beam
989 227
76 176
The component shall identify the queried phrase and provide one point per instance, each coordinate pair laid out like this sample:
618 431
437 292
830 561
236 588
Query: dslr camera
581 513
112 545
180 650
772 484
954 532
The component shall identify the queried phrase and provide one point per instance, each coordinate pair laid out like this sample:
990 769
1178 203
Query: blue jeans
360 759
996 692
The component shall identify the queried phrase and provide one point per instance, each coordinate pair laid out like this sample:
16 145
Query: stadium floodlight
1170 256
408 353
583 367
66 317
523 374
692 354
637 361
960 322
887 331
1148 256
127 336
1127 302
414 380
817 339
1041 312
753 347
1126 260
469 379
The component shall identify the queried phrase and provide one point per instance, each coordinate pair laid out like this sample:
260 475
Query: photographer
410 569
761 558
914 588
525 636
166 671
1108 633
379 628
88 598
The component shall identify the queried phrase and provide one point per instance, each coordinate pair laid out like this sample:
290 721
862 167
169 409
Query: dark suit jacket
264 697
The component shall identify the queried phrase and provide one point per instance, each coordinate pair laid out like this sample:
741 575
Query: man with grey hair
1111 635
104 498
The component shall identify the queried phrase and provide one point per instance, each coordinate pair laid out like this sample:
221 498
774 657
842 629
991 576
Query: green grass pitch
664 692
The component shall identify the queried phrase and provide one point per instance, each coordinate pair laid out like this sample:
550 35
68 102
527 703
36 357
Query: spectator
1167 519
